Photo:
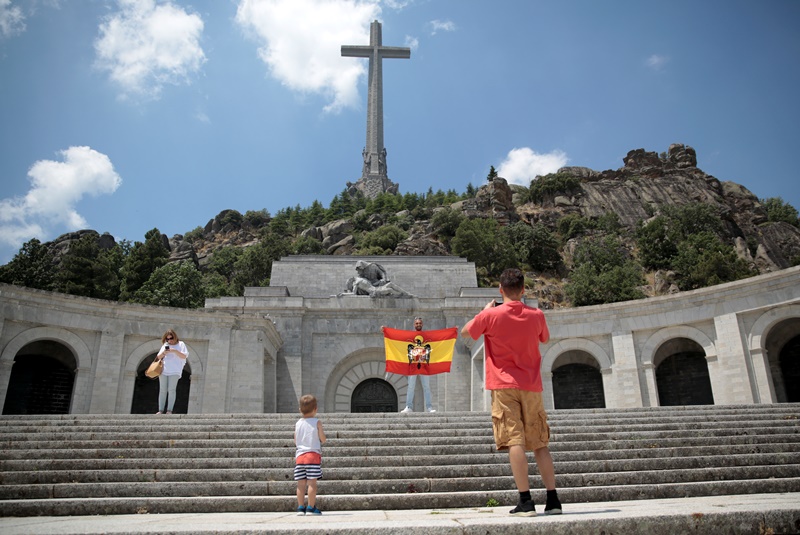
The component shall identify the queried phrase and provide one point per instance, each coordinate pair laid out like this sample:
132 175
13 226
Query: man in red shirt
511 333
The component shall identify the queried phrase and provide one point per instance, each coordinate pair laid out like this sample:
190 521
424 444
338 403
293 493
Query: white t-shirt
306 436
173 364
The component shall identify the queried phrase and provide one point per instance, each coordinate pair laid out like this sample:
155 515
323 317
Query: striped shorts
307 471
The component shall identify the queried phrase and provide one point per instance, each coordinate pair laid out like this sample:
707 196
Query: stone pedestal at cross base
372 185
374 179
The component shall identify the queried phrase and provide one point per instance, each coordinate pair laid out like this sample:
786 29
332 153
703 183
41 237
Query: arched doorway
682 374
577 382
145 390
783 350
789 359
42 379
373 395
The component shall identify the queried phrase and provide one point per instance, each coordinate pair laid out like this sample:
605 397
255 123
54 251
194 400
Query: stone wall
260 352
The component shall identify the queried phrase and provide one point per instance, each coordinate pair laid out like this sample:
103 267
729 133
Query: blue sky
124 115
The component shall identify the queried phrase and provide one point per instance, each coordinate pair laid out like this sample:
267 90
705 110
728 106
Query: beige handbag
155 369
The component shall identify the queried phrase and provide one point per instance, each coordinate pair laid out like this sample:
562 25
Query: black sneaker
553 506
524 509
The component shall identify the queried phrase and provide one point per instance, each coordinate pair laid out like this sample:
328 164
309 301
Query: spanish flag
419 352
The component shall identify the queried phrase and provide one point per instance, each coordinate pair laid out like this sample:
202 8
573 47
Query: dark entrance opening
373 395
578 386
42 380
790 369
145 390
682 379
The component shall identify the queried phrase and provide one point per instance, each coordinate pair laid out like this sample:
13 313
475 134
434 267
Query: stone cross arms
374 151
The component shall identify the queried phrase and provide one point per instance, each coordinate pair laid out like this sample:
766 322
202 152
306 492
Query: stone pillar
547 391
606 374
125 397
5 378
651 386
730 380
762 375
627 391
217 377
106 374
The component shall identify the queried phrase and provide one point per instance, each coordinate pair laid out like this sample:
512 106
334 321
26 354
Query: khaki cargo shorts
519 419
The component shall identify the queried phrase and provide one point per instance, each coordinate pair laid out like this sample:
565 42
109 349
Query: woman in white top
173 353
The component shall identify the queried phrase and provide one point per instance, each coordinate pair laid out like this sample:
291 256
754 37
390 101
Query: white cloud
145 46
56 187
300 42
12 21
442 26
412 42
656 62
523 165
397 4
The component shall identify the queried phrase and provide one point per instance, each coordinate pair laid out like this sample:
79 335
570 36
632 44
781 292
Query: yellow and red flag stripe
419 352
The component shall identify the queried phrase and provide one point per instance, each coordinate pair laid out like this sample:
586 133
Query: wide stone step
111 463
373 501
15 438
758 464
436 479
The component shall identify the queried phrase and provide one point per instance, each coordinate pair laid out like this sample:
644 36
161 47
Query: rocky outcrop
495 200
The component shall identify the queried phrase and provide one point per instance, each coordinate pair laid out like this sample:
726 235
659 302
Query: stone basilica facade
737 343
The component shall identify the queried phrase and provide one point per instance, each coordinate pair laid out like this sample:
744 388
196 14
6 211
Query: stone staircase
124 464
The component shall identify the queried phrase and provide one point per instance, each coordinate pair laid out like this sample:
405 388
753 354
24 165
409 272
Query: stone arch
352 370
770 334
72 342
80 350
575 344
577 381
658 338
682 374
134 384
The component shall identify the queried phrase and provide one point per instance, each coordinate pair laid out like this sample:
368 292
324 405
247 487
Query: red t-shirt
511 335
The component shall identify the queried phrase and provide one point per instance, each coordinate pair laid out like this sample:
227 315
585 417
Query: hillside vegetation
657 225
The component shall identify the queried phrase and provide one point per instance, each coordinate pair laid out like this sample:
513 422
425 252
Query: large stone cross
374 152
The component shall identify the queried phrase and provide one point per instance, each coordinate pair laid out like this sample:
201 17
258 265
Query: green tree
254 267
492 174
223 260
257 218
32 266
604 273
658 242
90 271
307 245
660 239
550 185
177 284
141 262
481 241
445 223
215 285
779 210
704 260
534 245
385 239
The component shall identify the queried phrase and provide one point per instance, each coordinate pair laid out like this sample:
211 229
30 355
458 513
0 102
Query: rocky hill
635 192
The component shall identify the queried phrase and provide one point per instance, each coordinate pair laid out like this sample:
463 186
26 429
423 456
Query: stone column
627 392
731 380
217 379
547 391
762 375
651 391
106 385
5 378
